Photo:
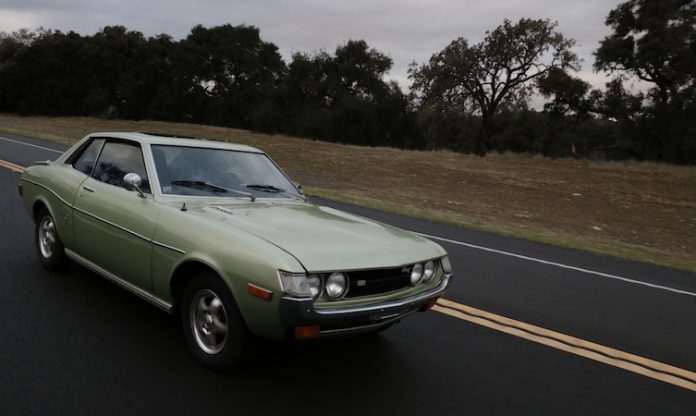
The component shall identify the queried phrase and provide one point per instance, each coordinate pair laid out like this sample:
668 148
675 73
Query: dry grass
636 210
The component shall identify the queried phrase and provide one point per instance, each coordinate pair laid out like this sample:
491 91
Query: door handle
88 189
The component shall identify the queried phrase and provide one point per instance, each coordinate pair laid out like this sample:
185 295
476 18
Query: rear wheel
49 247
213 326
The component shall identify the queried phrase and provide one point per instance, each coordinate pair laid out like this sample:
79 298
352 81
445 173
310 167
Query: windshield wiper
213 187
275 189
266 188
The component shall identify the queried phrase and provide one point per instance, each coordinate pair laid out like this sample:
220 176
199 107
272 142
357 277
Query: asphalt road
76 344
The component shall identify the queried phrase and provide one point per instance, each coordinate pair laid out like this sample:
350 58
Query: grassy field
635 210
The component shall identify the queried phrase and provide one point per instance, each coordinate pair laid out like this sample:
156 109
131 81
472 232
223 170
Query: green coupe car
217 234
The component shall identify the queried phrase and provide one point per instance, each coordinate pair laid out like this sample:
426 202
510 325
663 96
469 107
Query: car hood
326 239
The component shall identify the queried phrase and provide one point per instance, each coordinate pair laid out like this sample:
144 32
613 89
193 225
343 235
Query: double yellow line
631 362
620 359
11 166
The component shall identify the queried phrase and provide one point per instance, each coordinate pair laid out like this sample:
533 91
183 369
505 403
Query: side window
117 159
85 162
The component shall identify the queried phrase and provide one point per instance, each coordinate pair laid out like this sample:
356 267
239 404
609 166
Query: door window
116 160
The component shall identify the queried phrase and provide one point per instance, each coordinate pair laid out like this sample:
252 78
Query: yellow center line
11 166
620 359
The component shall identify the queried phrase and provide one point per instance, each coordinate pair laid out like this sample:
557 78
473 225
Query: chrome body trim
149 240
398 303
112 224
133 289
48 189
178 250
379 306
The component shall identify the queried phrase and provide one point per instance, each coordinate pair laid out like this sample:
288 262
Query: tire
213 327
49 246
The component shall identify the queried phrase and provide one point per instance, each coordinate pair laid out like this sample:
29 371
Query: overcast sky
406 30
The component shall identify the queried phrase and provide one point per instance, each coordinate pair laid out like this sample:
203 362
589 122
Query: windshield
198 171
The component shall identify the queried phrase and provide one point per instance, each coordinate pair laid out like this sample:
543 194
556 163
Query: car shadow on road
135 318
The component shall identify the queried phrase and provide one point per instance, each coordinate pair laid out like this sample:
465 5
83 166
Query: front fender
238 257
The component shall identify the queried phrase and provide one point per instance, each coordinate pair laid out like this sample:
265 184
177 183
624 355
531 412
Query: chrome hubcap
208 321
47 237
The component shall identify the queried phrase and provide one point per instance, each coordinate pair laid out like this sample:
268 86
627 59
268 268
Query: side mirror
133 181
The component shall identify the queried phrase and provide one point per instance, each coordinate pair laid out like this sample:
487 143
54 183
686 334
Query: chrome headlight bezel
335 278
316 285
416 276
429 271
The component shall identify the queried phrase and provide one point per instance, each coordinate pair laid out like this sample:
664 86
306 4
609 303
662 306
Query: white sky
406 30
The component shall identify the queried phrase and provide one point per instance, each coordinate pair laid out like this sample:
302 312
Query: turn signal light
259 292
306 332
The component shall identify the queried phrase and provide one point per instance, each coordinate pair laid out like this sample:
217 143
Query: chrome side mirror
133 181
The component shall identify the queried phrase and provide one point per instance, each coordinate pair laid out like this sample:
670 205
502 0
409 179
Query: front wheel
49 247
213 327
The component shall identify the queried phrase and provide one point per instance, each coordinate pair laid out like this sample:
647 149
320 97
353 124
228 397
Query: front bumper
296 312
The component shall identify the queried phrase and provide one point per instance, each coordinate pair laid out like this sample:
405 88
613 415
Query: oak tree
483 77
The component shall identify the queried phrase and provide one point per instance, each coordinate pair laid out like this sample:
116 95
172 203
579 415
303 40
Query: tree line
471 98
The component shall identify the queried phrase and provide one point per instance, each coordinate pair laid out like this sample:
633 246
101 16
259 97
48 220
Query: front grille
374 282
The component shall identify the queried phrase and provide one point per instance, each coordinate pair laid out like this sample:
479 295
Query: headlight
316 286
446 265
416 273
429 271
295 284
336 285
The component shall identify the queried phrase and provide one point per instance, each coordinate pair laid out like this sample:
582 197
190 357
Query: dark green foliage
226 70
468 98
655 41
42 73
344 98
486 77
120 81
225 75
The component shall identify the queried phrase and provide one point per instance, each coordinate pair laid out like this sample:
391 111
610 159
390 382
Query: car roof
162 139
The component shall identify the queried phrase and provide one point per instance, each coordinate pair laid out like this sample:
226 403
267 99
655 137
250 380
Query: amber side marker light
306 332
259 292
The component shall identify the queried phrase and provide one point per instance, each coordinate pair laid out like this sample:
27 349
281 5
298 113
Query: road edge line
561 265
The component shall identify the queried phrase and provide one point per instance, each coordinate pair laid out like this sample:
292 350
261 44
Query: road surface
586 334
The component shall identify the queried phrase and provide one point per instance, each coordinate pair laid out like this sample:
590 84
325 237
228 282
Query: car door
114 225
